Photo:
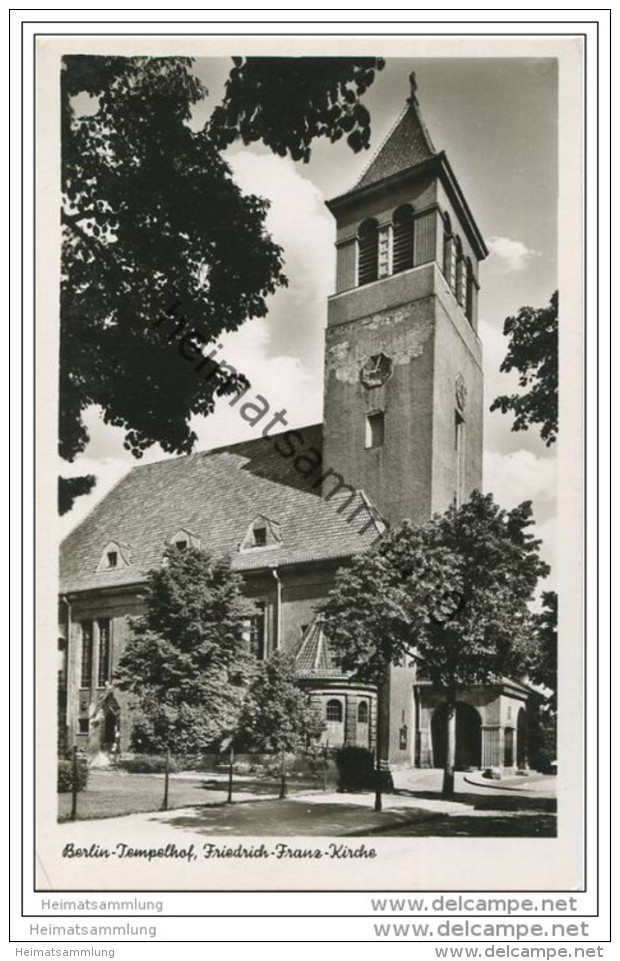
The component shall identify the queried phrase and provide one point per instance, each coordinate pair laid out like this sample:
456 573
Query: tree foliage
287 102
453 593
533 352
542 662
152 218
187 662
277 715
71 487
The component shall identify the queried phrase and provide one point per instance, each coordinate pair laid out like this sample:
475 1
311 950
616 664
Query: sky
497 121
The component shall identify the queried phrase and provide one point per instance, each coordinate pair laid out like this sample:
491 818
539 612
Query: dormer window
260 536
115 557
184 539
263 532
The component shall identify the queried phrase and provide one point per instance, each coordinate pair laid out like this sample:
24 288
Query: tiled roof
406 145
314 658
216 495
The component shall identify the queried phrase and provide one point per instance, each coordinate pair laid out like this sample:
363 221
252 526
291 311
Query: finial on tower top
414 86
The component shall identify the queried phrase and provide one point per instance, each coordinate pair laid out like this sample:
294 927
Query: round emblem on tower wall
376 370
460 389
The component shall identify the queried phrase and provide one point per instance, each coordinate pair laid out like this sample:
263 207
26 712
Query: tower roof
406 145
406 153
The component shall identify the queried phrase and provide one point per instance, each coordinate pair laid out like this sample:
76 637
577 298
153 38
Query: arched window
362 712
333 711
448 253
368 259
461 275
402 243
456 267
469 296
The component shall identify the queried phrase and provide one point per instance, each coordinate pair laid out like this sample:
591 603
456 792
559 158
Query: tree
277 715
543 653
152 221
542 669
186 662
453 593
533 352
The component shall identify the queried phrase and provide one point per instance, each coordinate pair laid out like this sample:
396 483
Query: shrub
65 774
356 769
146 764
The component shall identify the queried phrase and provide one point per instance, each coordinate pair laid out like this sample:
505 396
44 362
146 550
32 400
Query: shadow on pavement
483 802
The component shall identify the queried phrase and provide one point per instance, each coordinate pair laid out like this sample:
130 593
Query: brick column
350 719
492 745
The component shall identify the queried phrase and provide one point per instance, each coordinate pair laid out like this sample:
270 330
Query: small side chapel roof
314 658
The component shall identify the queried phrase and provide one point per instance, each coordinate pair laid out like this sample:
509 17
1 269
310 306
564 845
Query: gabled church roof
407 144
217 495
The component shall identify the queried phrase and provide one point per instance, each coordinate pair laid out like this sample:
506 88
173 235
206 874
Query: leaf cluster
151 217
453 593
533 352
288 102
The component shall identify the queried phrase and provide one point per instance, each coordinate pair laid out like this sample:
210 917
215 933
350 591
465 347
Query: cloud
107 470
520 475
511 256
300 223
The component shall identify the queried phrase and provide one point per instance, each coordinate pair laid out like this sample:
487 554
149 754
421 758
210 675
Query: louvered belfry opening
368 263
402 242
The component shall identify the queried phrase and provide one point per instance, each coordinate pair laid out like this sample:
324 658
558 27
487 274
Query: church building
401 438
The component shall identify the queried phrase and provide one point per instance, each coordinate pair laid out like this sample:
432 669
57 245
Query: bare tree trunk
378 742
164 804
282 775
74 783
231 763
448 773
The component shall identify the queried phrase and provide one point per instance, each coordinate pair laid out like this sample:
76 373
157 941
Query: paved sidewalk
414 805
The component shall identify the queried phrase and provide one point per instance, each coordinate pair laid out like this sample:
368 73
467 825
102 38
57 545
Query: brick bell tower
403 375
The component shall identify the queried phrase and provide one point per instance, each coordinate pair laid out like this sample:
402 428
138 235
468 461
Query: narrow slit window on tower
448 247
368 257
469 297
461 276
402 242
459 447
374 430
